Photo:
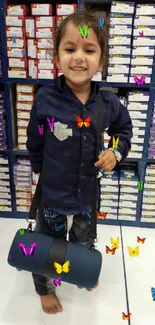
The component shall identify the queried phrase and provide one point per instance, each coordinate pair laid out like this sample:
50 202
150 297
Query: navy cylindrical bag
57 258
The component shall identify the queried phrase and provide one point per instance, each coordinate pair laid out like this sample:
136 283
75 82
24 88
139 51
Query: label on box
119 59
119 40
28 89
145 9
138 96
22 131
140 69
141 60
32 69
23 115
14 73
120 50
45 43
32 48
16 10
44 54
42 22
30 27
46 64
65 9
15 31
25 97
15 21
144 20
24 106
143 41
17 63
132 80
40 9
121 19
46 74
116 68
115 77
20 43
148 31
122 7
45 33
146 50
22 122
120 29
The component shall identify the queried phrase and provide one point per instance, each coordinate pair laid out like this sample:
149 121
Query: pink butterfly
140 81
57 282
141 33
28 250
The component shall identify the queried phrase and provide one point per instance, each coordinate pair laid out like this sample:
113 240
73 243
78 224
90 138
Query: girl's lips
78 69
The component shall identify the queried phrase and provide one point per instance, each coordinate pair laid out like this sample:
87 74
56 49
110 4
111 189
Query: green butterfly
83 32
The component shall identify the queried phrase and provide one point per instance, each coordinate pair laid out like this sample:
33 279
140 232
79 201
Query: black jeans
78 233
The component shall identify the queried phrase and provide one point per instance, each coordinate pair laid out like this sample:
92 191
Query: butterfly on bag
62 268
27 250
133 252
83 122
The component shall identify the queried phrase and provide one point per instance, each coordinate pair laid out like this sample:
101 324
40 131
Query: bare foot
90 289
50 304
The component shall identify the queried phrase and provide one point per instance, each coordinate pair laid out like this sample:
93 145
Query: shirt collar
65 89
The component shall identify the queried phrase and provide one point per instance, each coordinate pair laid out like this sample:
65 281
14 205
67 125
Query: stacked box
16 42
40 43
148 204
120 33
128 194
143 42
23 184
138 107
151 147
5 193
1 72
24 102
109 194
3 134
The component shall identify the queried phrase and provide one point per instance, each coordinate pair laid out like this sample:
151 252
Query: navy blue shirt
64 152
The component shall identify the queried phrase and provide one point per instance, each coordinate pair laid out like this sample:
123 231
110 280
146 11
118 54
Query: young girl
62 146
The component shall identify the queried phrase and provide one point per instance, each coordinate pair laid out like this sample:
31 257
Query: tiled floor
125 284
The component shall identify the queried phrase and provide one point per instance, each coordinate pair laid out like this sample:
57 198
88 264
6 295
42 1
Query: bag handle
36 199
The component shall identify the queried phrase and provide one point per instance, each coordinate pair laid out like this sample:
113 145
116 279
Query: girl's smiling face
79 58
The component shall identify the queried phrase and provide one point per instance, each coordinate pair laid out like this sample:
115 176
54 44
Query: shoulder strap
36 199
99 130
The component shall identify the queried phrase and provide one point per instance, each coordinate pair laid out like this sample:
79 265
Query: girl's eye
69 50
90 51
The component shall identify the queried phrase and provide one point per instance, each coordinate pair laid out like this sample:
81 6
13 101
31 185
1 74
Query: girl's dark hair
82 18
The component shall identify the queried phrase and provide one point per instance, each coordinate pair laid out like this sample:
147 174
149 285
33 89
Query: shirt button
82 164
79 190
84 137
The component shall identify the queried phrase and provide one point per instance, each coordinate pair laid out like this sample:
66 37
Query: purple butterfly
140 81
57 282
40 127
141 33
27 250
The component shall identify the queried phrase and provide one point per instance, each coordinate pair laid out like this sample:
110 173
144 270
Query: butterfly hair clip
140 81
153 293
101 22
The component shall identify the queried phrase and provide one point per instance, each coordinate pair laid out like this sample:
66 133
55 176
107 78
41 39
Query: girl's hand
107 160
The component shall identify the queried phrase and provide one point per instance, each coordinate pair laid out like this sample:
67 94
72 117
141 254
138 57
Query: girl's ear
57 62
101 64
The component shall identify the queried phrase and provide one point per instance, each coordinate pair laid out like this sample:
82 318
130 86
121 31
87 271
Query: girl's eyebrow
85 43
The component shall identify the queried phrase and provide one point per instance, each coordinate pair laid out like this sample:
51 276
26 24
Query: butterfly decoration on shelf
28 250
140 81
57 282
23 53
83 122
101 22
141 240
115 243
101 215
153 293
133 252
141 33
62 268
110 251
126 316
14 37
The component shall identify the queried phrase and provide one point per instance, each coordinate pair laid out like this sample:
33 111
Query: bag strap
36 199
99 130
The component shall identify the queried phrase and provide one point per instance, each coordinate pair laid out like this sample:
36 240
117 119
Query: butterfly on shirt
126 316
140 81
101 215
83 122
153 293
28 250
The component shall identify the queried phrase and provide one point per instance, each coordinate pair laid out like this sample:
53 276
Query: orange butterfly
101 215
140 240
110 251
83 122
126 317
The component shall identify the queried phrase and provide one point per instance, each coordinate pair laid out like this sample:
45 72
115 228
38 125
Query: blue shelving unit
12 152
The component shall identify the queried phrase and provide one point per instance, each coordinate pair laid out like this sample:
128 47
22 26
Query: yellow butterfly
62 268
115 243
133 251
115 142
